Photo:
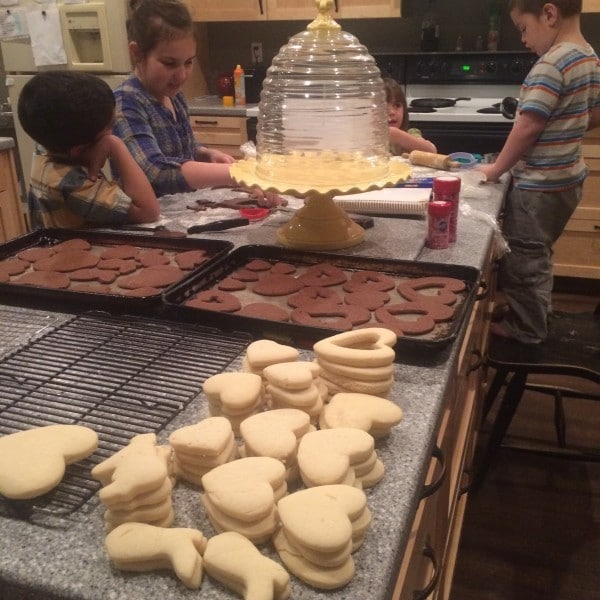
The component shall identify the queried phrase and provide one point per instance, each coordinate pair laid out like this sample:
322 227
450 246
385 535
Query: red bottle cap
446 184
439 208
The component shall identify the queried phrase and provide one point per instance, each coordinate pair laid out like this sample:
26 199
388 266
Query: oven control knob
516 66
491 66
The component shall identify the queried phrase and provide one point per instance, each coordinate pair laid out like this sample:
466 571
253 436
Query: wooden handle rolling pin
429 159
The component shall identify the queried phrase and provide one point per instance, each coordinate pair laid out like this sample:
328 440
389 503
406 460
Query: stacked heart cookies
372 414
200 447
357 361
242 496
276 433
295 385
235 396
342 455
136 484
320 528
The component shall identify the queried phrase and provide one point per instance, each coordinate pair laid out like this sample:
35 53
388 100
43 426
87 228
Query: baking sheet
41 297
305 336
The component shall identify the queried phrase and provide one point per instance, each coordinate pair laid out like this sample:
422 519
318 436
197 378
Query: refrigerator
91 43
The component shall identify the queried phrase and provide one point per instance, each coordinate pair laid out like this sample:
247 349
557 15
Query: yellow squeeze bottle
239 86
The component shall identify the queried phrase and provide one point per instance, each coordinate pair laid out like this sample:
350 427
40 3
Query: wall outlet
257 52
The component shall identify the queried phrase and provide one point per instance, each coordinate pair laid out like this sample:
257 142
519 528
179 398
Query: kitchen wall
228 43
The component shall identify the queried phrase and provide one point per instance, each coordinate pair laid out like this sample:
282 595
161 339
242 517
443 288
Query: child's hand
490 171
266 199
215 156
94 155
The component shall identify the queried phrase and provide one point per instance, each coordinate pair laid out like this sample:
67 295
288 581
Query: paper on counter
387 201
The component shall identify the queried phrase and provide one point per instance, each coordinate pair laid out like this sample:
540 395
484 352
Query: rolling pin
429 159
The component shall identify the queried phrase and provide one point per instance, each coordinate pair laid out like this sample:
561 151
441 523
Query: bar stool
572 349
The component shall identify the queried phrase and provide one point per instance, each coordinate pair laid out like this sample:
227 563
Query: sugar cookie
32 462
142 547
234 561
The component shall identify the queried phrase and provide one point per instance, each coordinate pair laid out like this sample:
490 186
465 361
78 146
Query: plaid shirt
61 195
159 142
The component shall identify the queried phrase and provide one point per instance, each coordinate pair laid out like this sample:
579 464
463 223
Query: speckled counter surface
213 105
36 562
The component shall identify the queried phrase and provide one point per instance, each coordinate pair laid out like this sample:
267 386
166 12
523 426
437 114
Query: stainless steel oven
473 85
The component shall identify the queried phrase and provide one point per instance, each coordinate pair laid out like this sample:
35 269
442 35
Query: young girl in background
151 114
402 137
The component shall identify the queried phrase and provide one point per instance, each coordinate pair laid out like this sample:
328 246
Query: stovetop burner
494 109
421 109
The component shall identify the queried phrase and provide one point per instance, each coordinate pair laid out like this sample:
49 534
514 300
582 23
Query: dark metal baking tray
305 336
44 297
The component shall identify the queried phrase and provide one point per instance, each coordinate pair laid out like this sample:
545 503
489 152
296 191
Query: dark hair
63 109
394 94
154 21
567 8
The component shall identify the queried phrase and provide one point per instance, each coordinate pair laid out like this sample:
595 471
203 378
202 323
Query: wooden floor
532 531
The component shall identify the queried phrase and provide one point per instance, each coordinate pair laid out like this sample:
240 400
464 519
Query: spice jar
438 224
446 188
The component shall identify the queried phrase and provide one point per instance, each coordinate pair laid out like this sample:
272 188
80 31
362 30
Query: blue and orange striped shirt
563 87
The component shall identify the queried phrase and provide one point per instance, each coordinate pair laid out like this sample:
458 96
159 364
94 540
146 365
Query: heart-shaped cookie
32 462
370 413
235 392
326 456
275 433
369 347
244 488
321 518
262 353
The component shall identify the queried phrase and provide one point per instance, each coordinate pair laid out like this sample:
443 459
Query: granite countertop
71 563
213 105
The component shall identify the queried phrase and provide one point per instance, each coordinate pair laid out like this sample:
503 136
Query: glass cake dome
322 131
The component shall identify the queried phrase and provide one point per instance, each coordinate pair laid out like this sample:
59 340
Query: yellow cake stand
320 224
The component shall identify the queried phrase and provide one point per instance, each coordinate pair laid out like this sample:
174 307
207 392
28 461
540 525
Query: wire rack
121 376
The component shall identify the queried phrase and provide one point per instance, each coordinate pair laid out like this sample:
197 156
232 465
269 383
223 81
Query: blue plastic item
464 159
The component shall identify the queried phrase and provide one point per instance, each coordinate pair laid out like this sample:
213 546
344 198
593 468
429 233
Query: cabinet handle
431 488
197 122
336 6
478 362
484 291
597 227
260 6
423 594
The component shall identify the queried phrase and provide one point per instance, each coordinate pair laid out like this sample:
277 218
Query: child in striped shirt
559 102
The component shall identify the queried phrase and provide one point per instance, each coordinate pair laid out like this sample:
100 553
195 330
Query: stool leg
495 386
512 397
559 419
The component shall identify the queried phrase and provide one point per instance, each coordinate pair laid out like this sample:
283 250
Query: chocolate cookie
444 289
123 266
323 274
93 274
231 285
73 244
13 266
283 268
215 300
35 253
264 310
258 265
369 298
122 251
310 294
66 261
277 285
370 280
190 258
413 318
158 276
49 279
322 314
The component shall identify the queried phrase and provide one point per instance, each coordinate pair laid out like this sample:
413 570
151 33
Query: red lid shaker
438 224
446 188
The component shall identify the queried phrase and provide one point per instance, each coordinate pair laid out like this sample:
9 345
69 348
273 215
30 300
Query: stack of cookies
242 495
320 528
360 361
372 414
136 484
262 353
234 396
344 455
295 385
276 433
199 448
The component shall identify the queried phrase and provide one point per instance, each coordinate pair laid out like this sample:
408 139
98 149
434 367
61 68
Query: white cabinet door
591 6
228 10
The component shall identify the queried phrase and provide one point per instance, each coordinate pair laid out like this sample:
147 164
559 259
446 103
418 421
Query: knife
218 225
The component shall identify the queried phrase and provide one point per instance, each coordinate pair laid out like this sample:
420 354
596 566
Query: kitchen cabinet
12 221
428 565
590 6
577 251
221 132
283 10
